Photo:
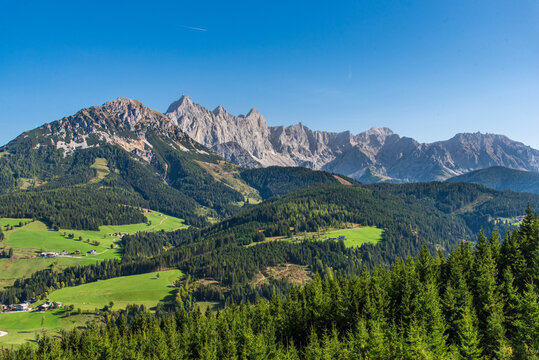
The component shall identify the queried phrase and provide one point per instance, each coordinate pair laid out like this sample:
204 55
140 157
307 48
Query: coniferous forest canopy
478 302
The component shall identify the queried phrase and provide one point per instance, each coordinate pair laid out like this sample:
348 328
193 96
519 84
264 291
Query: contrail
193 28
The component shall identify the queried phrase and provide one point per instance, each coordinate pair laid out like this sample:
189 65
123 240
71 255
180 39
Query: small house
119 234
22 307
93 252
45 306
77 252
48 254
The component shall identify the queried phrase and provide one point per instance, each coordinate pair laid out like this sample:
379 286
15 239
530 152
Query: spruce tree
468 345
527 325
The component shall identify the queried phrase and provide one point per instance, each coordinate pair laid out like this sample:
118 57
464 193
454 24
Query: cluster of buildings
119 234
25 306
50 254
342 237
48 305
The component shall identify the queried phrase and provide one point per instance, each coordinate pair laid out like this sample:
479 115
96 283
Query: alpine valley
197 234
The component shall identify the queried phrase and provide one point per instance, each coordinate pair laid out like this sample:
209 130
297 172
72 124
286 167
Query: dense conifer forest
480 302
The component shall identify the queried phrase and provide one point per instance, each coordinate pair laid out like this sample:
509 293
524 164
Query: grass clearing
102 168
13 269
357 236
144 289
6 222
23 327
354 237
229 175
33 237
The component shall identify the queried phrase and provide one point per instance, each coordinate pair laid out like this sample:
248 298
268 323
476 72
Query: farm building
119 234
22 307
48 254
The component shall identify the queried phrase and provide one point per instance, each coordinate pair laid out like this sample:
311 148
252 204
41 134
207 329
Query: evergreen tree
527 325
468 345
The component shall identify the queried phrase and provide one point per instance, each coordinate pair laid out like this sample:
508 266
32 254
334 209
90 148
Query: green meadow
144 289
24 327
34 237
12 269
12 222
357 236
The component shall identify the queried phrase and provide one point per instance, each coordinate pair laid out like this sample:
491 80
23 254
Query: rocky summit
375 155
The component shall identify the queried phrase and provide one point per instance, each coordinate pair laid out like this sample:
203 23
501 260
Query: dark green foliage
63 207
475 204
184 174
6 254
276 180
403 312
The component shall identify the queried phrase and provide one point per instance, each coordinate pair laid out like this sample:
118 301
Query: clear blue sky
426 69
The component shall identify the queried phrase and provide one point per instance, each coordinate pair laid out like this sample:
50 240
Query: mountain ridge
501 178
249 141
147 155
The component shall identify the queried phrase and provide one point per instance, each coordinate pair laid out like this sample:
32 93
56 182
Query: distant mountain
125 146
501 178
374 155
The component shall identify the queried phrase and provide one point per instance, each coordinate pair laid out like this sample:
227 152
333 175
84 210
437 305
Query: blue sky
426 69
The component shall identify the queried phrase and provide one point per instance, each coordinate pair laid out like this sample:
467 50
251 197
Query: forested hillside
478 303
276 180
175 183
501 178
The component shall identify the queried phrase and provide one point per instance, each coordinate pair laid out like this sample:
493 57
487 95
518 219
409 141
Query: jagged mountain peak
219 110
253 113
383 131
183 102
378 148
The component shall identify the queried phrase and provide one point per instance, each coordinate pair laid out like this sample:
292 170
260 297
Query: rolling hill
502 178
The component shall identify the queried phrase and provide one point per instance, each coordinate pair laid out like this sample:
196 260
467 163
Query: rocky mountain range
377 154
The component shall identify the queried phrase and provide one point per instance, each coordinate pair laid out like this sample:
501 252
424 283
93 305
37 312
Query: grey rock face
124 122
375 153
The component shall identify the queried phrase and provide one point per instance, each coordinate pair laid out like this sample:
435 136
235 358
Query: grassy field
33 237
102 169
12 269
144 289
357 236
12 222
23 327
